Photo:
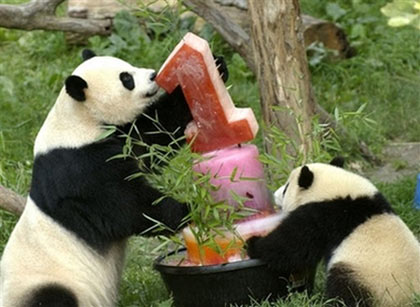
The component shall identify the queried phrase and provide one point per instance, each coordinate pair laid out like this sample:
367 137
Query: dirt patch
400 160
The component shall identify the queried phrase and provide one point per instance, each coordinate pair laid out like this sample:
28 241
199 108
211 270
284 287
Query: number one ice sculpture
216 130
217 122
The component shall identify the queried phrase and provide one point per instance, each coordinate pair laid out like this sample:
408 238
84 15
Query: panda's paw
222 67
252 247
179 213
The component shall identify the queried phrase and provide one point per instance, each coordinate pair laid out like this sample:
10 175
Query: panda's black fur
346 227
313 231
82 194
86 198
52 296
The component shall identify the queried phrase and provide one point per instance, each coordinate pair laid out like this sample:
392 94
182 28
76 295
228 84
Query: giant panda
372 257
67 248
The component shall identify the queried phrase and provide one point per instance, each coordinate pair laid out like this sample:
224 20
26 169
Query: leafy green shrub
403 13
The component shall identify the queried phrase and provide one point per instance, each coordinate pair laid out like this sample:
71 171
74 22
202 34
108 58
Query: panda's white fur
385 256
372 256
67 248
73 124
42 252
332 182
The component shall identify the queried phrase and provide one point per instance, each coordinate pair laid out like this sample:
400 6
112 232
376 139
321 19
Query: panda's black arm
165 120
143 205
90 194
116 211
128 205
312 231
296 245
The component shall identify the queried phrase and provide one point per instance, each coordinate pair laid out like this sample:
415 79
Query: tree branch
11 201
240 4
40 15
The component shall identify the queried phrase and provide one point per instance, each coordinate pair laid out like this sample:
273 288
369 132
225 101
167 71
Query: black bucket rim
203 269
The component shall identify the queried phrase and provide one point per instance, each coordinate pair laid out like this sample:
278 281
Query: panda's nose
153 76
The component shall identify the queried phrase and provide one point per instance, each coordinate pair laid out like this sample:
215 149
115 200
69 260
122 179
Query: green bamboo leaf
108 130
233 174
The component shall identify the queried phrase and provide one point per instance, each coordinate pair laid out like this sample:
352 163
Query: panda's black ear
306 177
87 54
338 161
75 87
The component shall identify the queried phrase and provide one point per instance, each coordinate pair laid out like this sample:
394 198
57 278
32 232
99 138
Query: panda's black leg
341 285
52 295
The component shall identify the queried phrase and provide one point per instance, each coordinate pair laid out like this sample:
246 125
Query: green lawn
384 75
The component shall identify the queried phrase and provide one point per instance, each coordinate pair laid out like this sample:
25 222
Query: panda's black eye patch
127 80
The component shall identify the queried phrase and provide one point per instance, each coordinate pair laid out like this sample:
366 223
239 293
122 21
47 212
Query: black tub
224 284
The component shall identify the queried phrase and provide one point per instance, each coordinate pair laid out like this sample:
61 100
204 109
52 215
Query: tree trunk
231 19
282 71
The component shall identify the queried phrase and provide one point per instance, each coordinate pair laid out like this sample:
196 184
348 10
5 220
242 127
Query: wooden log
40 14
11 201
99 9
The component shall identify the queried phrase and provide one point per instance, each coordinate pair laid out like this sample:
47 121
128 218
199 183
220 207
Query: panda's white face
116 91
320 182
101 91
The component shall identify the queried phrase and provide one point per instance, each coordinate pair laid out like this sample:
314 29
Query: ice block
232 248
217 122
237 169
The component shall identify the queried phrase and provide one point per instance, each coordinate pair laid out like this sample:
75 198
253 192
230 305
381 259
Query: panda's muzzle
152 92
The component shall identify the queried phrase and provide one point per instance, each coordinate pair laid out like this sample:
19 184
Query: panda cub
67 248
372 257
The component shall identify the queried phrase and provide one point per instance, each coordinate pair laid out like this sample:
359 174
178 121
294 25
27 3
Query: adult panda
67 248
372 257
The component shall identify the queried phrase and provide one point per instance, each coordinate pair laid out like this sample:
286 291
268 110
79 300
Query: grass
384 75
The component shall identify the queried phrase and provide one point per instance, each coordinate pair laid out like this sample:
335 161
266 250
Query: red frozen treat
217 122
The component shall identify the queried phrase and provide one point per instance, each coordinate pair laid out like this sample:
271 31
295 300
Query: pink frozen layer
248 180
